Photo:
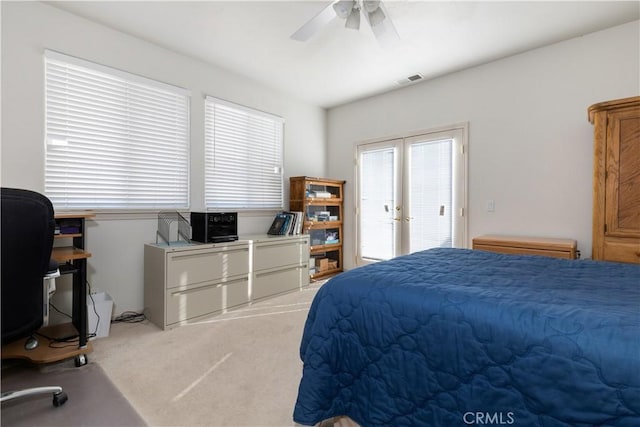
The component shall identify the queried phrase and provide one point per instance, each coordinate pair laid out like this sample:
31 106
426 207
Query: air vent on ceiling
411 79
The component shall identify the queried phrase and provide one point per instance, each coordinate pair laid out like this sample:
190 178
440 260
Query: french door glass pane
377 204
430 195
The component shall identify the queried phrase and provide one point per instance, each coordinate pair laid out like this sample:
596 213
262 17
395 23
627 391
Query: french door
411 194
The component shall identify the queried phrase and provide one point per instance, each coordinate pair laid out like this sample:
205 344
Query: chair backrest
27 233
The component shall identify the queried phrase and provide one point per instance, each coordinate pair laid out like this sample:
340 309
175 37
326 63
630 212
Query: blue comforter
454 337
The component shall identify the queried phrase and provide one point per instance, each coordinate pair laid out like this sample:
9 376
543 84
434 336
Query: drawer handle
208 254
271 245
269 273
201 288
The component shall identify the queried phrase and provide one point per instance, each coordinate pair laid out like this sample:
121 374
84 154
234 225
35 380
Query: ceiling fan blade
353 20
314 24
385 31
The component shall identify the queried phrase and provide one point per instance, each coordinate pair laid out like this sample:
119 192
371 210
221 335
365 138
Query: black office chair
27 232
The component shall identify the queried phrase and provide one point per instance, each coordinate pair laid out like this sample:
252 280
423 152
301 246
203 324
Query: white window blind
377 203
114 140
431 193
243 157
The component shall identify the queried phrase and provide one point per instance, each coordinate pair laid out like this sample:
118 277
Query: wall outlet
491 205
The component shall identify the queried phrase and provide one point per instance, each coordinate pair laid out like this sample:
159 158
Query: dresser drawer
199 301
269 283
621 250
280 253
192 267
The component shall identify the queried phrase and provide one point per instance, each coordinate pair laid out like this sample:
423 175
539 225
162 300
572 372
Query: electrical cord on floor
71 338
54 341
59 311
129 317
64 344
125 317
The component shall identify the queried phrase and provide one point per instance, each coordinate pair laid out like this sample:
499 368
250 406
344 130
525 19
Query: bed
449 337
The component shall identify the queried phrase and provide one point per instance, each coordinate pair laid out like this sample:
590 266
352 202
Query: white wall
116 243
530 143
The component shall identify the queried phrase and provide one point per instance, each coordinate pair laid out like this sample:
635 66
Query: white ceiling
338 65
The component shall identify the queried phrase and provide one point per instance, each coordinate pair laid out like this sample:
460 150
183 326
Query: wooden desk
72 259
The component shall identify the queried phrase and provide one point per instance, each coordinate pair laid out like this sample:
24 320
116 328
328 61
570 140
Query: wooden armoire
616 180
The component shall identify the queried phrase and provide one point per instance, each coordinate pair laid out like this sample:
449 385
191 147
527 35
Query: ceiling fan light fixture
376 17
371 5
353 21
343 8
374 12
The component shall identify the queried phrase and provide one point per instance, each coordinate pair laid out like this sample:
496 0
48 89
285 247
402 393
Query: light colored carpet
241 368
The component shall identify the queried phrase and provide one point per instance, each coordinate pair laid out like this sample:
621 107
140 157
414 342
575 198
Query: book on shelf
286 223
277 224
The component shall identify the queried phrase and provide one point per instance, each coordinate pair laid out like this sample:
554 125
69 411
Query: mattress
449 337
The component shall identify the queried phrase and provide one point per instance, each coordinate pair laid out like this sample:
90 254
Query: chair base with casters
59 396
31 343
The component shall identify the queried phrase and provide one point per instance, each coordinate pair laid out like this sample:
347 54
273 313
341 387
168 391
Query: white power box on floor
99 324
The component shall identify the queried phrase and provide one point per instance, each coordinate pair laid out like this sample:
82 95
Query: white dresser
280 264
185 283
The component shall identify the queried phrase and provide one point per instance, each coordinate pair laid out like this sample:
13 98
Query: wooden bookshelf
321 201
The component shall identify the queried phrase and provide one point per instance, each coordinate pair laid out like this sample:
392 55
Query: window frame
252 203
135 88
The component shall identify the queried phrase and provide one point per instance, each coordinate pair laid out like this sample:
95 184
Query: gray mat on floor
93 399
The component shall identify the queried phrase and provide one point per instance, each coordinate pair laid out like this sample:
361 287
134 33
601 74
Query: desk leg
80 301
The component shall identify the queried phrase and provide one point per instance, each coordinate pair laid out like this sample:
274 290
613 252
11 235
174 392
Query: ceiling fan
373 11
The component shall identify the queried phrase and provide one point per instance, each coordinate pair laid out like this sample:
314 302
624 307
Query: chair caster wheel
81 360
59 399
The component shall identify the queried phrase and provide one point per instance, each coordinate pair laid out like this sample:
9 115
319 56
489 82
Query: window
113 140
243 157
